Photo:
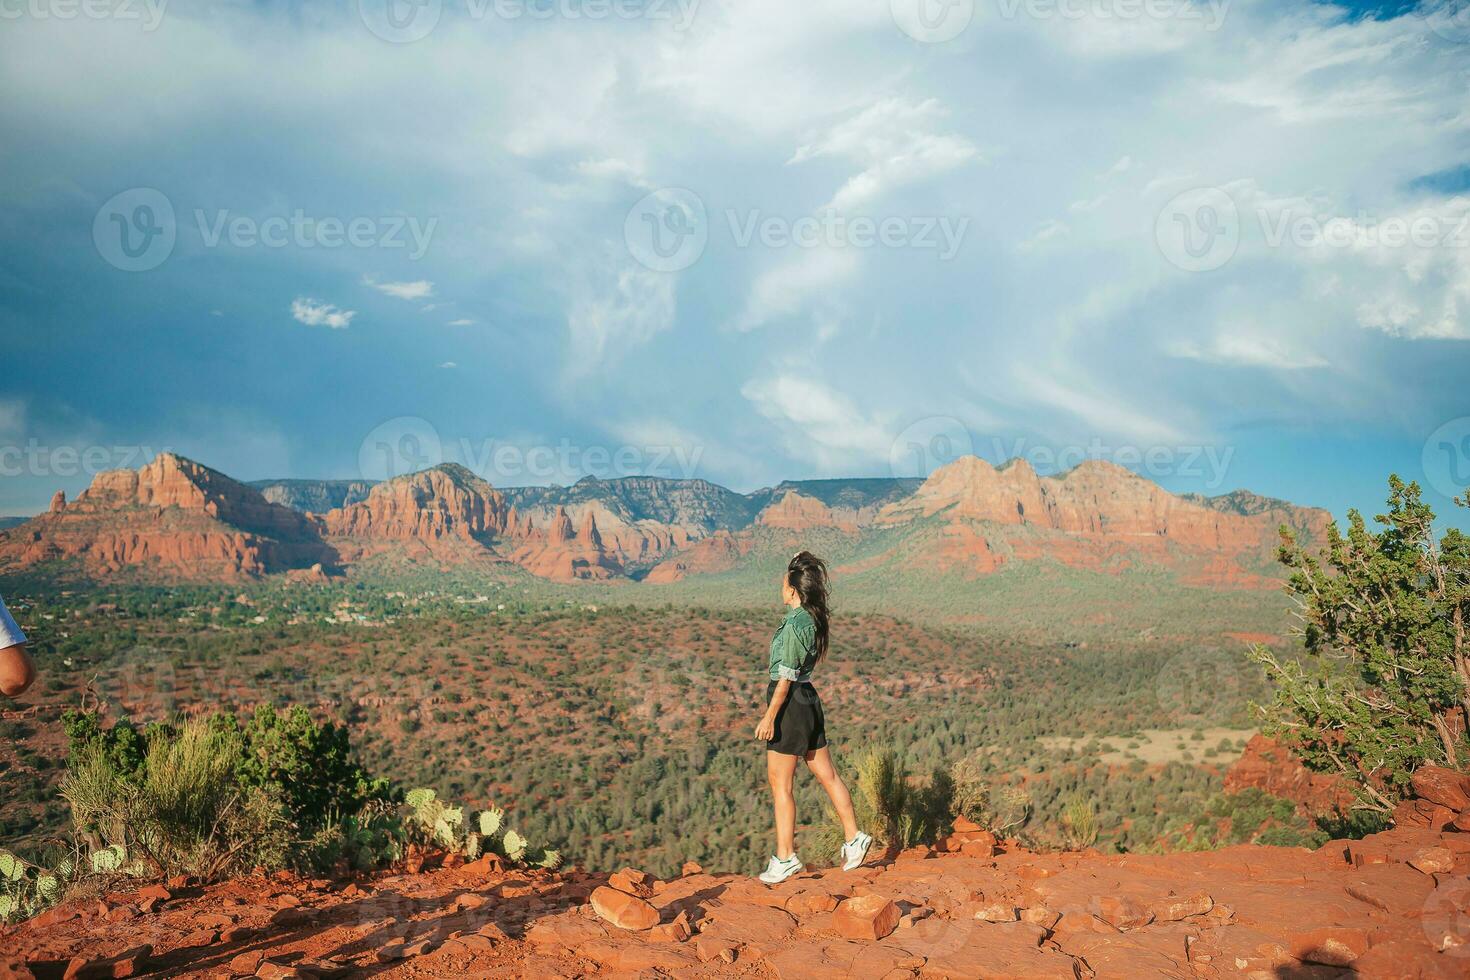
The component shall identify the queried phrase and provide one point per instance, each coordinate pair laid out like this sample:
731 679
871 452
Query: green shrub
1079 822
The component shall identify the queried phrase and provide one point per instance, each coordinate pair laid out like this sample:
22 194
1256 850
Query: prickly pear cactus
515 845
25 889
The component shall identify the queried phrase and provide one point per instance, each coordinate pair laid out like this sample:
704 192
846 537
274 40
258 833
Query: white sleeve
10 634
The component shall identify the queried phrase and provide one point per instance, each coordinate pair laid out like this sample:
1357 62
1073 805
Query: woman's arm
766 730
17 669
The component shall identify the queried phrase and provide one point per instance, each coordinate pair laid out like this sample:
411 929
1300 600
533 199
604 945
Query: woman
793 727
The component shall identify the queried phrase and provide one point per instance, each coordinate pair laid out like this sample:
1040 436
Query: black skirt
800 726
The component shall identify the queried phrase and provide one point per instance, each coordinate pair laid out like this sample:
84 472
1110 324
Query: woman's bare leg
781 771
820 763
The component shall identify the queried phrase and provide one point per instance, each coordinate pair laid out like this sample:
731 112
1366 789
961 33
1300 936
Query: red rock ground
1393 905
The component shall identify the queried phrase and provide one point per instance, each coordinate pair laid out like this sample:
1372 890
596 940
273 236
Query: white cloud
462 322
418 289
608 318
811 415
785 288
1249 351
449 365
896 142
1100 412
12 417
316 314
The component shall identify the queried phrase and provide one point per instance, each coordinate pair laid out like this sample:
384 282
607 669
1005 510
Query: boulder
1122 912
676 931
632 882
624 910
1433 860
130 963
866 917
1174 908
1446 787
1422 814
1329 946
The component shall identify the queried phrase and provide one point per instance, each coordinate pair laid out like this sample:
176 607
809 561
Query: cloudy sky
1225 244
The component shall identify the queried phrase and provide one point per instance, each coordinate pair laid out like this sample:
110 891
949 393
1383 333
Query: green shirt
794 647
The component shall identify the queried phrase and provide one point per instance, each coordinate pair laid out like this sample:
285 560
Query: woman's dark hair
807 574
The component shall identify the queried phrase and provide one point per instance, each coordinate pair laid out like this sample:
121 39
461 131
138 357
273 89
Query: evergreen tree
1381 686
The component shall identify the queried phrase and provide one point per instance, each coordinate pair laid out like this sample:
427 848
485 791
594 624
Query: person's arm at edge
17 669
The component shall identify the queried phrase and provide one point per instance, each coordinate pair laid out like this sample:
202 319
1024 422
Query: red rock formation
1268 766
626 542
1100 505
445 502
796 512
171 519
719 552
565 555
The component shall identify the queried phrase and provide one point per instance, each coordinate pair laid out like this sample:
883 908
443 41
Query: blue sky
1224 244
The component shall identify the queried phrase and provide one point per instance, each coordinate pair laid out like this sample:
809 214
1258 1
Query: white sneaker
778 871
855 851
